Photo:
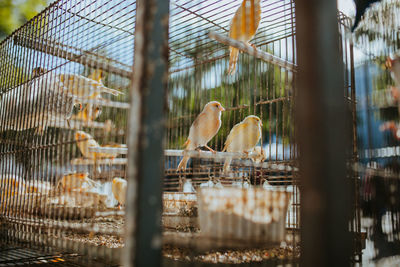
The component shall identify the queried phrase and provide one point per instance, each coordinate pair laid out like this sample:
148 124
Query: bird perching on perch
243 27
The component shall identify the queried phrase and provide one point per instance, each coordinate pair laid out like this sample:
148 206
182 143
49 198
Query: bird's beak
221 108
389 63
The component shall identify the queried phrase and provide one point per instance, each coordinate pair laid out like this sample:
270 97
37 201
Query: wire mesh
64 96
262 85
64 80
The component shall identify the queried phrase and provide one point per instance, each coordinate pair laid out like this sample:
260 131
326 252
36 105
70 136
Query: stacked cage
65 79
64 89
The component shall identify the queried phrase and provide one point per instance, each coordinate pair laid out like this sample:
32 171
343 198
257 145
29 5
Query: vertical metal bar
146 131
321 135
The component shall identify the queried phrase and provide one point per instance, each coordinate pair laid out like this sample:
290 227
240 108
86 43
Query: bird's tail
227 165
233 58
182 164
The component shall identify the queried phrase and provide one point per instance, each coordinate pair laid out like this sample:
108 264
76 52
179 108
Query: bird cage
65 83
262 84
64 78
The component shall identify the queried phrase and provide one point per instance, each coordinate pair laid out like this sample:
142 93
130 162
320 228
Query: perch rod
267 57
53 49
193 154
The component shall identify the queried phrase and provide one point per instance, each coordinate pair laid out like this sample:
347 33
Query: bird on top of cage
243 137
119 188
361 7
203 129
84 141
243 27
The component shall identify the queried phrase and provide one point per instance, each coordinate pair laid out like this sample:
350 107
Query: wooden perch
104 103
59 122
59 50
265 56
82 161
109 150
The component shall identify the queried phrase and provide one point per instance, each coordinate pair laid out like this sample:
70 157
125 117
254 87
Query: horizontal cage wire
64 81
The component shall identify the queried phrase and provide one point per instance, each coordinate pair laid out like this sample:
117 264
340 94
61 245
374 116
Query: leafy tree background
14 13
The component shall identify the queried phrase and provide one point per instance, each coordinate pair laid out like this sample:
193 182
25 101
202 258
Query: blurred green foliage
14 13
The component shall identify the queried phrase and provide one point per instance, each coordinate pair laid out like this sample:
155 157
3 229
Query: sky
347 7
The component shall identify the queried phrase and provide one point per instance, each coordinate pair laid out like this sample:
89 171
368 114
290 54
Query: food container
253 214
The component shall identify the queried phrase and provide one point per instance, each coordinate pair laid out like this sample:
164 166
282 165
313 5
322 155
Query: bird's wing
96 75
243 27
197 122
236 130
236 25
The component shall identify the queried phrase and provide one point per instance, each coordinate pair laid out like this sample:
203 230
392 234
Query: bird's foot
253 45
212 150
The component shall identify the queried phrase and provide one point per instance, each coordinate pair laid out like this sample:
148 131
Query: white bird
209 183
119 187
188 187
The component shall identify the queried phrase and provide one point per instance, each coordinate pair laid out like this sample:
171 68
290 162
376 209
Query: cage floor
11 255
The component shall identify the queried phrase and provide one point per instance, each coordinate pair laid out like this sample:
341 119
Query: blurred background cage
377 128
65 79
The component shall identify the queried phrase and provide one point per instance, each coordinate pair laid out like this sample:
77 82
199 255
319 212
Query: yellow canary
119 187
243 27
89 113
81 86
243 137
84 141
72 181
96 75
203 129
